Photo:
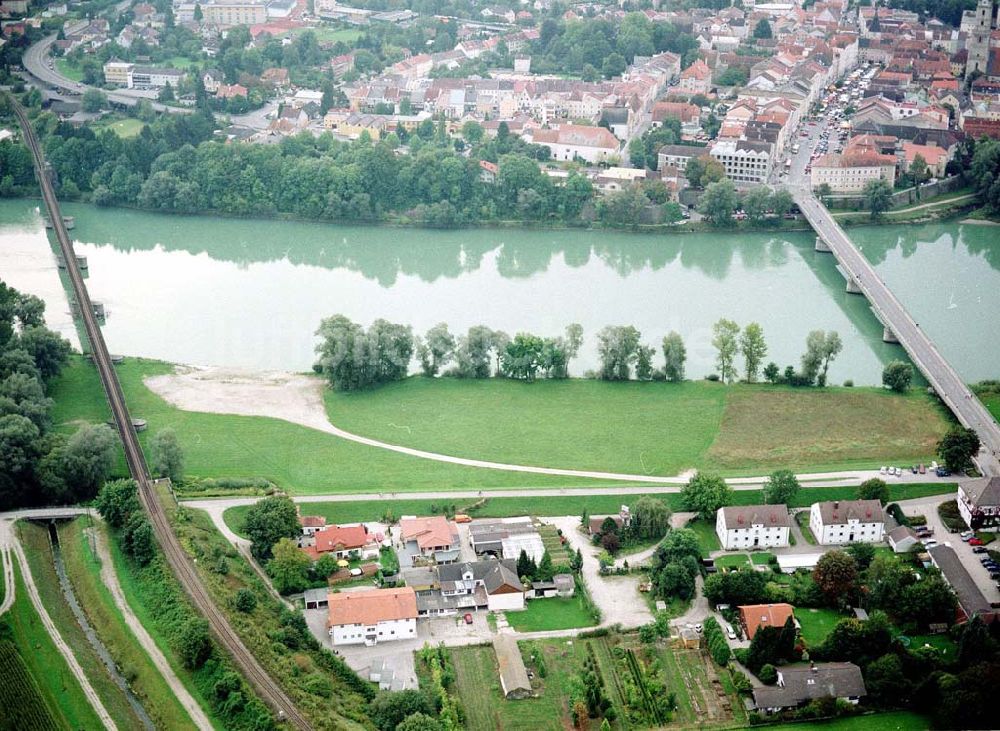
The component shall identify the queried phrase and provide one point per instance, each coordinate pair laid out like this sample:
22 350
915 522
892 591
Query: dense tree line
37 465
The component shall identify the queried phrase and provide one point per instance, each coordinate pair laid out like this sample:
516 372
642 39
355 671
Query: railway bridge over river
900 327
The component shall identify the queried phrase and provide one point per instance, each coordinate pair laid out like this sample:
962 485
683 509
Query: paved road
36 63
110 579
939 373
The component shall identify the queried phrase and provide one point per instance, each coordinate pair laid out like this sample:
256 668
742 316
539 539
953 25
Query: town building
842 522
470 585
979 502
850 173
596 522
678 155
572 141
752 526
311 523
797 686
373 616
755 616
745 161
696 78
117 72
227 13
506 539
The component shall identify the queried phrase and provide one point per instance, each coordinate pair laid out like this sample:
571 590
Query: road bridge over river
900 327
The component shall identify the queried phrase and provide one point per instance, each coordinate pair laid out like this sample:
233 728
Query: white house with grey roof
796 686
745 527
979 502
842 522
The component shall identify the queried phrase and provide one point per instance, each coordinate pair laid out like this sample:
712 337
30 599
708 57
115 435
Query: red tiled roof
428 532
370 607
755 616
312 521
335 537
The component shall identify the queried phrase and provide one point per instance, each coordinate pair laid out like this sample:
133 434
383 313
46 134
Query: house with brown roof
850 172
311 523
430 535
341 541
752 526
373 616
696 78
755 616
842 522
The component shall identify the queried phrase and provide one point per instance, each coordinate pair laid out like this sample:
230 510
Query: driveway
928 508
617 597
399 654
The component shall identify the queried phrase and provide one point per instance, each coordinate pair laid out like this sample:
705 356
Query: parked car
930 544
467 618
883 470
915 470
979 549
941 472
966 534
995 575
922 470
975 542
730 632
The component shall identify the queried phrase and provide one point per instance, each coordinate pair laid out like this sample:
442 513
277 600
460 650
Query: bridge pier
821 245
852 286
888 336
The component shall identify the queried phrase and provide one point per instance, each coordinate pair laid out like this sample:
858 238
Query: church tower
978 43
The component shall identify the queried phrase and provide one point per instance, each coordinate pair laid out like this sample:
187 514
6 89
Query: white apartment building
370 617
850 173
752 526
226 13
745 161
117 72
842 522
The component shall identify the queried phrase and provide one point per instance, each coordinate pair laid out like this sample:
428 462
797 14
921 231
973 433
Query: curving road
939 373
36 63
177 558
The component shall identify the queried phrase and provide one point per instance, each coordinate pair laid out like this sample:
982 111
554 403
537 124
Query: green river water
250 293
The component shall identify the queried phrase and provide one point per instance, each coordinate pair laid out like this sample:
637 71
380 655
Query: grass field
893 721
646 428
34 538
708 539
943 643
56 682
294 457
761 558
83 568
802 518
124 128
557 505
326 34
816 624
71 72
554 613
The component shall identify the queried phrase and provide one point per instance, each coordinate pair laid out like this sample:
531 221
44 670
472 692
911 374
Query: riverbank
941 207
436 434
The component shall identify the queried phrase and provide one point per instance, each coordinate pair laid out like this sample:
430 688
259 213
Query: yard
892 721
550 614
646 428
816 624
708 539
732 561
802 518
327 34
477 685
761 558
943 643
124 128
705 695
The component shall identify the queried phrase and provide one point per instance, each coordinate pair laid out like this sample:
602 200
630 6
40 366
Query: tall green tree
836 575
957 448
725 340
718 203
762 30
268 521
705 494
754 349
821 349
674 356
897 376
874 489
878 197
781 488
166 456
617 348
88 459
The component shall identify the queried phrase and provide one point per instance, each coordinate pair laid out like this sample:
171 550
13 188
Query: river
250 294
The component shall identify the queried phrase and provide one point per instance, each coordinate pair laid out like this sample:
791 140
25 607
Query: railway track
178 560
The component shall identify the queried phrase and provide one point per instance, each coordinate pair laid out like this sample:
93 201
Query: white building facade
842 522
746 527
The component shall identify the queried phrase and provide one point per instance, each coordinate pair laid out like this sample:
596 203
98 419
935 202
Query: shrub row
718 646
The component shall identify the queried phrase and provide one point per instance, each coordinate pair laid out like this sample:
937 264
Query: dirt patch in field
288 396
